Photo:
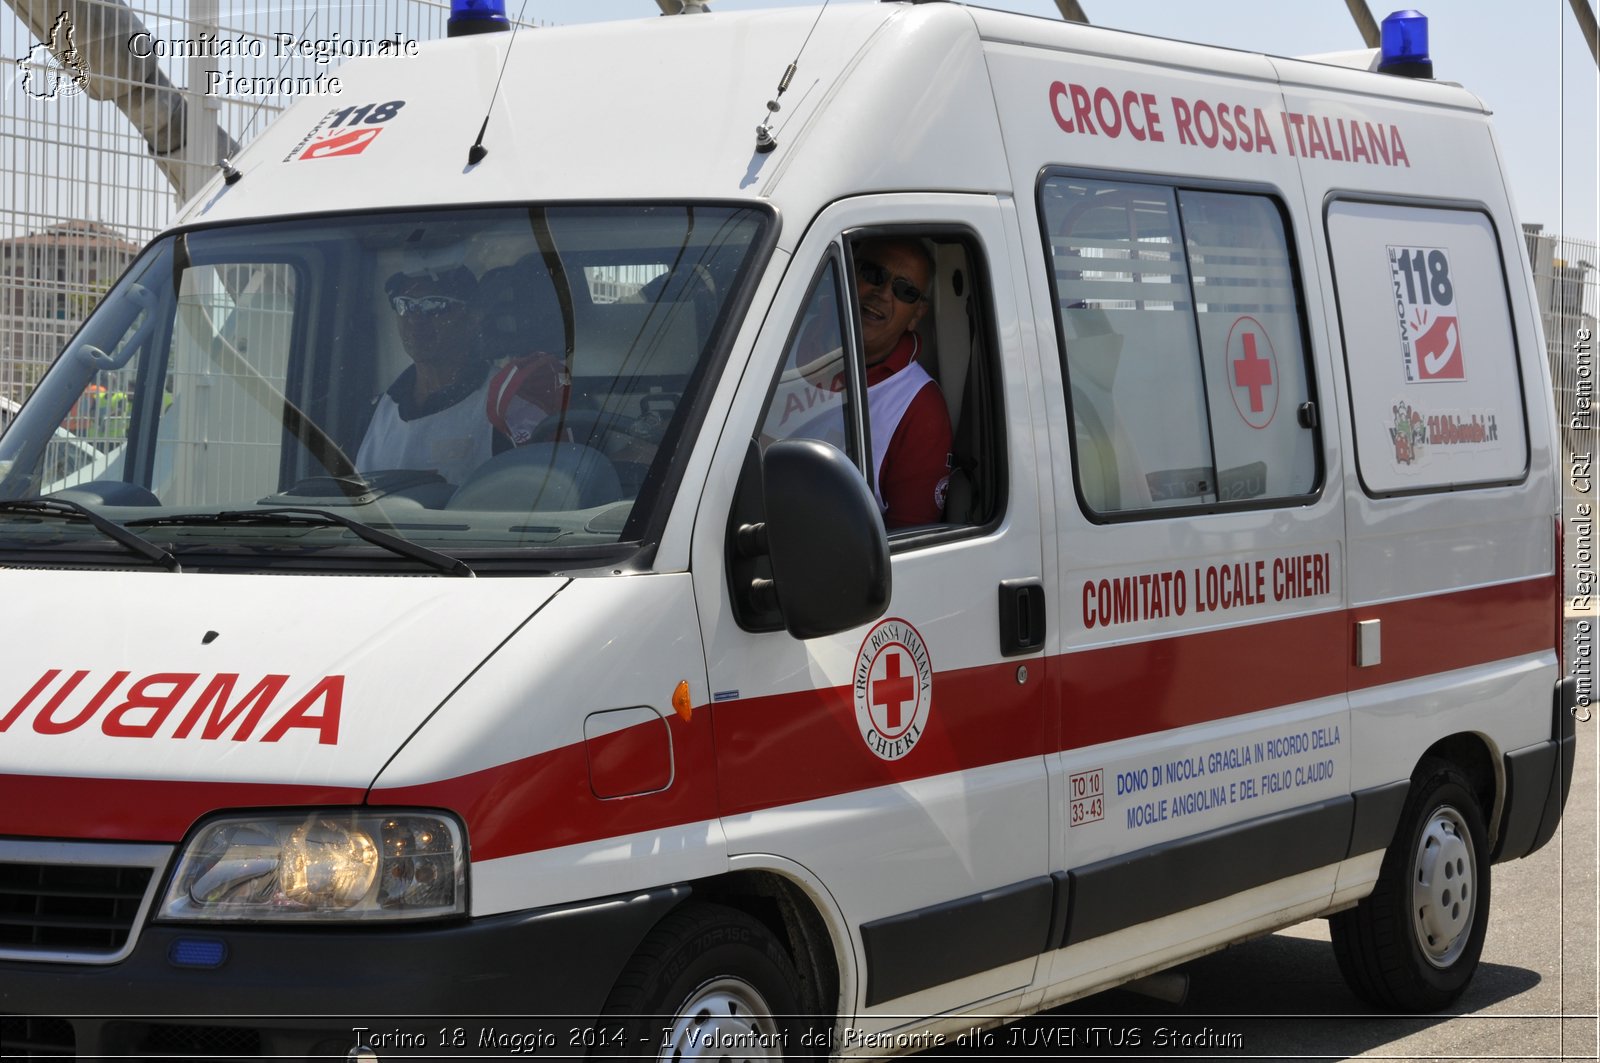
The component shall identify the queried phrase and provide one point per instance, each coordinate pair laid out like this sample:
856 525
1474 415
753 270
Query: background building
48 281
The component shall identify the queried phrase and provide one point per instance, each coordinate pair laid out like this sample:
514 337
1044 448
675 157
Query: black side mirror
823 538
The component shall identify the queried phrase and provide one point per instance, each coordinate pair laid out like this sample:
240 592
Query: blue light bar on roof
1404 48
476 16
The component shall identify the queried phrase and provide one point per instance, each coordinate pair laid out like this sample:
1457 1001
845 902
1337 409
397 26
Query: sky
1526 60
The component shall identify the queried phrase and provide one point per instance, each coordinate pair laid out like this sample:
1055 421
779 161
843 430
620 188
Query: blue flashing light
476 16
197 952
1404 42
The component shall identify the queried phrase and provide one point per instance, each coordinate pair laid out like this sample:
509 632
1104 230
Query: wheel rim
1444 887
725 1019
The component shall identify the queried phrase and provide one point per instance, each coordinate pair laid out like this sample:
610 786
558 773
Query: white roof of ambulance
887 96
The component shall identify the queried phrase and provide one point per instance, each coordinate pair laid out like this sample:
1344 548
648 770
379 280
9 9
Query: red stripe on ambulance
788 748
547 800
1424 636
144 810
1136 688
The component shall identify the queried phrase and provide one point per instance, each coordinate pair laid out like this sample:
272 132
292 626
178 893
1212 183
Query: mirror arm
764 594
750 540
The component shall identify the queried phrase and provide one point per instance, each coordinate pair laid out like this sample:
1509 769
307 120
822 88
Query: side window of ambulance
1435 393
201 421
222 430
931 449
808 400
1185 354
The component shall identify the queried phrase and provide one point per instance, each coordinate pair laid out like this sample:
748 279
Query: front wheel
1414 944
709 982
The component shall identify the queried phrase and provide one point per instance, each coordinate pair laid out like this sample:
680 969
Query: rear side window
1435 392
1182 330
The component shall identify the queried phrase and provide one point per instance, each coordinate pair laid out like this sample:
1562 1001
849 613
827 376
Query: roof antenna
230 172
766 139
484 16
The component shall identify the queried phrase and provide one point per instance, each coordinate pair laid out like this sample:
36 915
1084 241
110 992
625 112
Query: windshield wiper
61 507
307 515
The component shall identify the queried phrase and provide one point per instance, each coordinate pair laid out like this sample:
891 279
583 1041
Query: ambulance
614 719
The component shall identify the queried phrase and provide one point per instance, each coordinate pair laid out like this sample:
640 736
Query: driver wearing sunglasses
910 423
431 417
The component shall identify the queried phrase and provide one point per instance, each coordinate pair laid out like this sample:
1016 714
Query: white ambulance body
1244 607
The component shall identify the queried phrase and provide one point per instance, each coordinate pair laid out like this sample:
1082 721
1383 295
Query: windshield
494 383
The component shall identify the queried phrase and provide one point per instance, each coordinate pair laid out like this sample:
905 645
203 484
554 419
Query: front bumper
534 979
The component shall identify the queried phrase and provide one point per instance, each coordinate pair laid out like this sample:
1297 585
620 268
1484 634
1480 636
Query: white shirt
452 441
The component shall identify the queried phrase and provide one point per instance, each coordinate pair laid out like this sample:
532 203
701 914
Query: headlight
322 865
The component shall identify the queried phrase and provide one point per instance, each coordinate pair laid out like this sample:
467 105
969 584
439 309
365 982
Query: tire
1414 943
708 982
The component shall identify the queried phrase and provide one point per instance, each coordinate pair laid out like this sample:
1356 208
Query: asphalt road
1281 997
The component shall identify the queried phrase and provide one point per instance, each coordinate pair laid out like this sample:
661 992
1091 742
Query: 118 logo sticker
1425 306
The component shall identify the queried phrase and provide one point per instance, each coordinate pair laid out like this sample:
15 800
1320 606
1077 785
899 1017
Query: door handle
1022 617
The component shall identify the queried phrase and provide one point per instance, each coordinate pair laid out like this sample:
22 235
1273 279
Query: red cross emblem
893 690
1254 372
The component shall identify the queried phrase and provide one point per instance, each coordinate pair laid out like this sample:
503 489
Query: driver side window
892 361
809 399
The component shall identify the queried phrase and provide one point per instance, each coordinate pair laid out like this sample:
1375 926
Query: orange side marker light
680 701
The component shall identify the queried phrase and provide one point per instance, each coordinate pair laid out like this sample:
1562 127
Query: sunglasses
425 305
875 276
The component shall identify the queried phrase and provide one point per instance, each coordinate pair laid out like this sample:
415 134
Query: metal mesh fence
1566 276
112 113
